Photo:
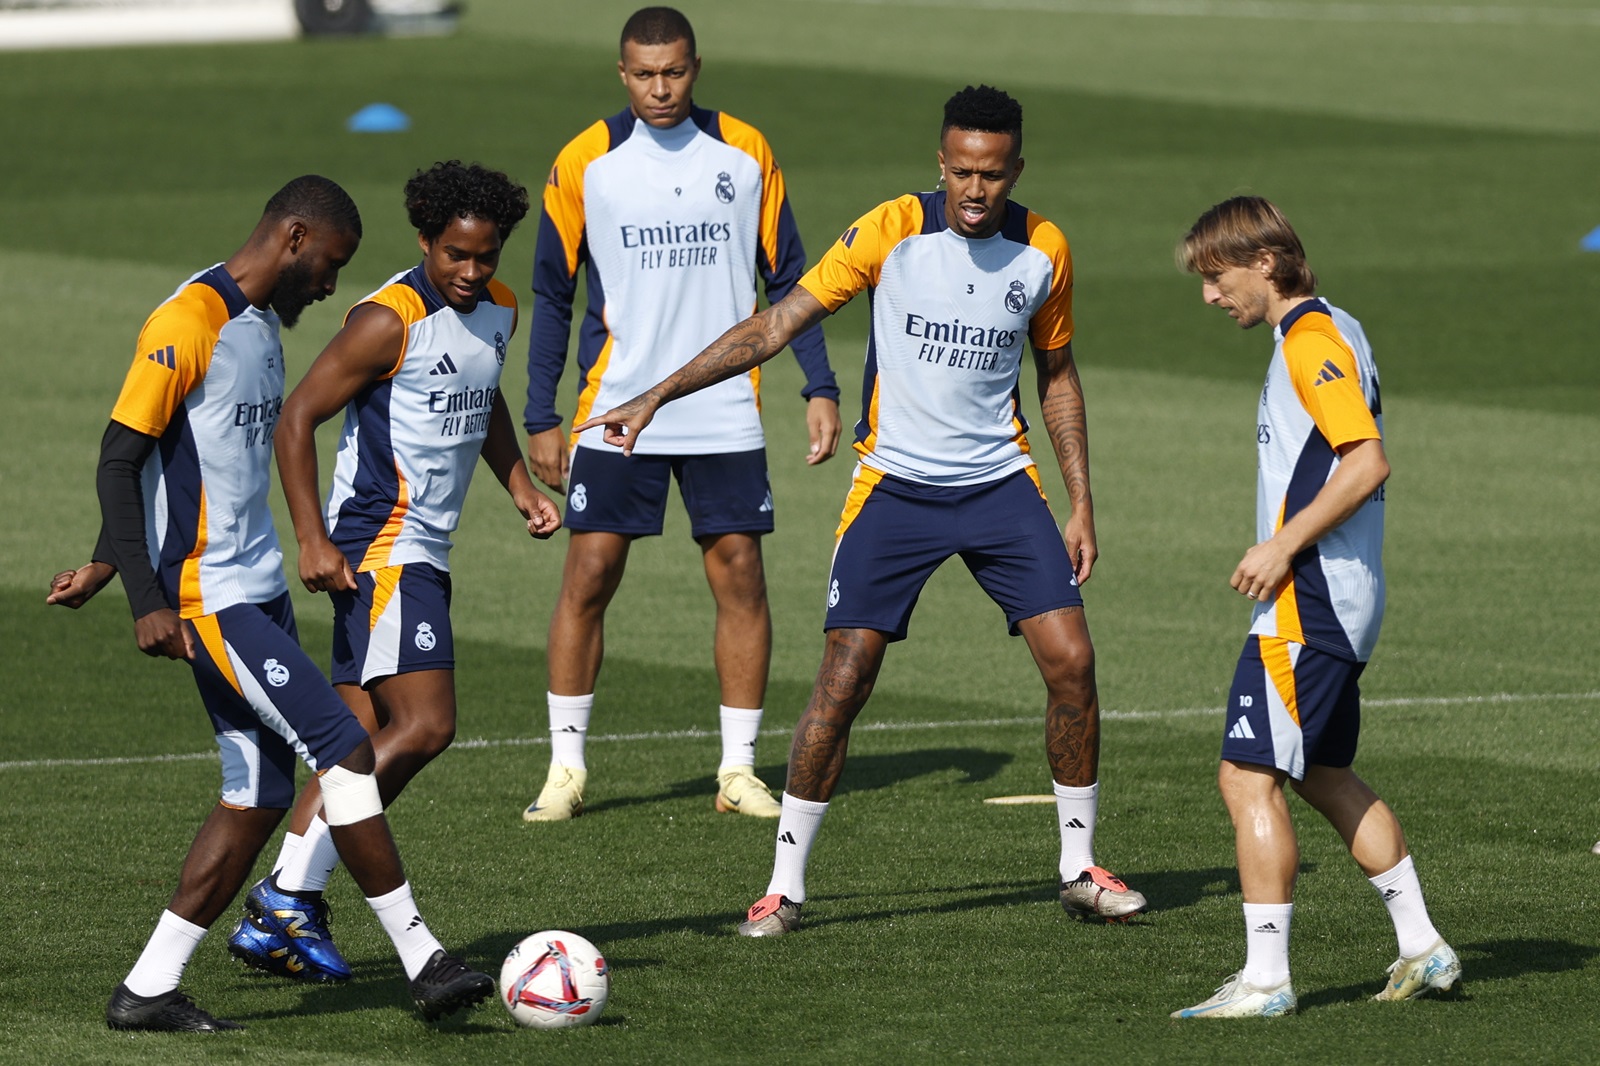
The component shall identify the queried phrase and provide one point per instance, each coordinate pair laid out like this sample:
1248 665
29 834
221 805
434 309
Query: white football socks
1266 938
167 952
1402 894
291 842
740 727
397 913
313 862
797 831
569 728
1075 811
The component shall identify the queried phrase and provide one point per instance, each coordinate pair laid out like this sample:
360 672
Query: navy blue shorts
269 703
396 622
609 492
1292 706
894 534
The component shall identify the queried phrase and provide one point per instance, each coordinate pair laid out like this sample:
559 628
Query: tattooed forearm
1072 743
844 681
745 346
1061 406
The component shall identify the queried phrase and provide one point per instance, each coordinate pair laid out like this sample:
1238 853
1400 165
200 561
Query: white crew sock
1266 938
569 728
797 831
740 727
291 843
397 913
312 864
1402 894
168 951
1075 811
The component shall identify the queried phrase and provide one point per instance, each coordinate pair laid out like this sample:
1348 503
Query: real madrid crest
1017 298
725 187
500 348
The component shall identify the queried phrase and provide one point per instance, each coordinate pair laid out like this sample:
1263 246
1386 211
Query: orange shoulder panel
502 295
404 301
1051 326
1327 380
748 139
563 189
855 262
174 353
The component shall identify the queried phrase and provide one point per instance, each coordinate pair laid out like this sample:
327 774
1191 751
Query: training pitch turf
1440 163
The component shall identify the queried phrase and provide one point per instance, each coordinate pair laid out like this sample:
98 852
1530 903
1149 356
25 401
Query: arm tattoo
1061 406
745 346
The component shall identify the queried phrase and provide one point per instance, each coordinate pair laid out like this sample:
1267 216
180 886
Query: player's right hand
162 632
548 457
74 588
323 568
624 423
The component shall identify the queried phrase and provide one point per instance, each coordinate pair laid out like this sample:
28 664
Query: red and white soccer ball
555 980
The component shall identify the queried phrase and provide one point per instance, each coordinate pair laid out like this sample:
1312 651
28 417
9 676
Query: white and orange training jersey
412 438
1321 393
207 382
674 226
950 316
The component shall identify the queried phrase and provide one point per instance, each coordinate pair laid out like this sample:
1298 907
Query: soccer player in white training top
185 466
673 211
416 371
960 280
1315 580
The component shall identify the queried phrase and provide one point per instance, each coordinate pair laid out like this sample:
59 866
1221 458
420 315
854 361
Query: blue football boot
287 935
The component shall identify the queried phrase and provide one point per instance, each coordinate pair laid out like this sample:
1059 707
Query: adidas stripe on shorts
1292 706
397 621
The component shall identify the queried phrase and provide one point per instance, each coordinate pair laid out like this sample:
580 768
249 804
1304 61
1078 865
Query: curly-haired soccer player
416 369
961 279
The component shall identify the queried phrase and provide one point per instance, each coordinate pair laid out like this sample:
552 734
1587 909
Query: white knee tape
349 797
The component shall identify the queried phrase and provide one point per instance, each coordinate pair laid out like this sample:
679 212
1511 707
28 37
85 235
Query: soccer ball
555 980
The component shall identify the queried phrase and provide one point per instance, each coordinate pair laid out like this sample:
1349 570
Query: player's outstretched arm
501 453
1363 468
738 351
1061 406
367 348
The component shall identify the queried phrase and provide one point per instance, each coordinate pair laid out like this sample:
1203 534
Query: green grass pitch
1440 162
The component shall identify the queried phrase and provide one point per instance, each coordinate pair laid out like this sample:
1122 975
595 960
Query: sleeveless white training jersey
950 316
412 439
208 383
1321 393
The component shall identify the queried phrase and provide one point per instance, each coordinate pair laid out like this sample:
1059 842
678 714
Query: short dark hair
657 25
1236 232
452 189
983 109
315 199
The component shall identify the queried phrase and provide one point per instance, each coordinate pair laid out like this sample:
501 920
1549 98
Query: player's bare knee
361 759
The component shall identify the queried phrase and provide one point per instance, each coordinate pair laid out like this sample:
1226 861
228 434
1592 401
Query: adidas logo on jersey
1241 730
165 356
444 366
1329 372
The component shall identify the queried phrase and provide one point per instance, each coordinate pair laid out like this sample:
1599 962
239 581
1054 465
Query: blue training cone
1591 243
379 118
